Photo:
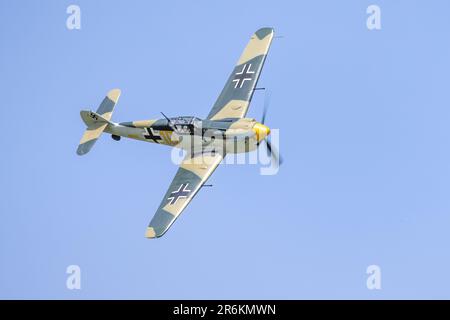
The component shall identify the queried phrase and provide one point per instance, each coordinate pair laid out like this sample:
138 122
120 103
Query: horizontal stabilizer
89 138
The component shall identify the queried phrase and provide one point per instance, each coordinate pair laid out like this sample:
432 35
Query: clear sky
364 128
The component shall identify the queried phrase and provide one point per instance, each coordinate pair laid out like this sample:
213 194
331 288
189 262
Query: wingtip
261 33
81 151
150 233
114 95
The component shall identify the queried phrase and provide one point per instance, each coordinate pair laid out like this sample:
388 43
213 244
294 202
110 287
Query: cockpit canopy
186 122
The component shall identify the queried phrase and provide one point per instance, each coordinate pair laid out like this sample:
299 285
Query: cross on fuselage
151 135
182 192
244 75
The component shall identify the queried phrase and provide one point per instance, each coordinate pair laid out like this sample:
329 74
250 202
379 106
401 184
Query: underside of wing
192 174
235 97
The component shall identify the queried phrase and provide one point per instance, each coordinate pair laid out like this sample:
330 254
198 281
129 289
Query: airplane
225 130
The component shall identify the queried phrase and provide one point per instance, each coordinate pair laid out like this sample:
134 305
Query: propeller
271 151
267 97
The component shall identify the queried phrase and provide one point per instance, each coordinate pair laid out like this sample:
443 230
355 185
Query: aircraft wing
235 97
192 174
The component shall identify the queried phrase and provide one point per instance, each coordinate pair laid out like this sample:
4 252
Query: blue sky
364 129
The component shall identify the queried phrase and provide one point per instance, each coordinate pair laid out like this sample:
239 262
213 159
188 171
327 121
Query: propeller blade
273 152
266 105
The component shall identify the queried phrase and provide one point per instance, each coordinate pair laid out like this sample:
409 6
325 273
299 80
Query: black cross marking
151 135
244 75
182 192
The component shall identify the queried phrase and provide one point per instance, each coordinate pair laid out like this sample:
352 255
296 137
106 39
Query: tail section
106 108
96 122
91 118
89 138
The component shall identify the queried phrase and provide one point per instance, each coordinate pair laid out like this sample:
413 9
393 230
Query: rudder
106 108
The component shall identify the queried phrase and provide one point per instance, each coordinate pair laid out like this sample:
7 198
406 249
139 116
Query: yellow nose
261 131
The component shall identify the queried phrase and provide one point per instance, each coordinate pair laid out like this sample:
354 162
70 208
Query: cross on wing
192 174
237 93
244 75
182 192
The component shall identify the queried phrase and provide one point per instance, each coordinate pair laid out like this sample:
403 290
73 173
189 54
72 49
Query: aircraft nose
261 131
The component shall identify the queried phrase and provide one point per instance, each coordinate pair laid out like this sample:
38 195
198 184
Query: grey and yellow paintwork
226 130
233 102
94 126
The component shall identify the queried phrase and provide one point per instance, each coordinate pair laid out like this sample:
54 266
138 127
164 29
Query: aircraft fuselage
230 135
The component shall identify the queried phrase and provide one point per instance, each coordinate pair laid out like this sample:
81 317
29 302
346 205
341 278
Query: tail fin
106 108
96 122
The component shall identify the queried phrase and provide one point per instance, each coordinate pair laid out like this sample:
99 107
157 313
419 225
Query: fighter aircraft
225 130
